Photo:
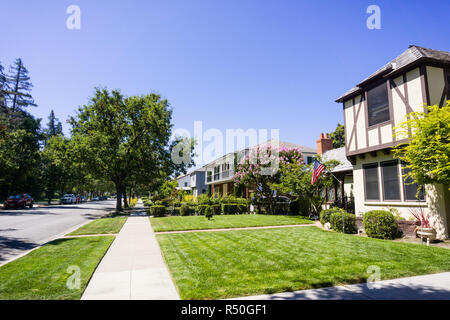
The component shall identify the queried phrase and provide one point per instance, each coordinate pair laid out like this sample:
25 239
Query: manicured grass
211 265
101 226
223 221
43 273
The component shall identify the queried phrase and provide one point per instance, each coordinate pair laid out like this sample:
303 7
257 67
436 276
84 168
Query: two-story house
220 173
372 110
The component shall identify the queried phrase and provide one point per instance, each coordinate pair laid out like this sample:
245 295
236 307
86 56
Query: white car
68 199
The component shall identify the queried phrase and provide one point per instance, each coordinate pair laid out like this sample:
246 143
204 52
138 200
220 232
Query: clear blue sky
233 64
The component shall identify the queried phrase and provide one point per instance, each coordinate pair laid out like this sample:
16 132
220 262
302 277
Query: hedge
349 222
208 212
216 209
158 211
201 209
230 208
325 215
380 224
186 210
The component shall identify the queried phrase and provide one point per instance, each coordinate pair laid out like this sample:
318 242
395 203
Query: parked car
19 201
83 199
96 199
68 199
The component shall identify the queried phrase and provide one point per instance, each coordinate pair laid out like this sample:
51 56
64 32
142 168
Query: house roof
414 54
283 144
339 155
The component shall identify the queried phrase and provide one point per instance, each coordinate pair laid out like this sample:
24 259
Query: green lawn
101 226
223 221
42 274
212 265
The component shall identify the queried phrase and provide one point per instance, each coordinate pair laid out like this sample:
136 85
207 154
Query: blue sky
232 64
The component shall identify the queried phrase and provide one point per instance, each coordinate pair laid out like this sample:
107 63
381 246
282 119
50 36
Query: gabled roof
413 55
283 144
339 155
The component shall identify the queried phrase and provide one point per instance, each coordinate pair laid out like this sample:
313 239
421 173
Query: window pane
391 190
371 178
378 104
411 188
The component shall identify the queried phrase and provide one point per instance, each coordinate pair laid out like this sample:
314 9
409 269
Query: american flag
318 168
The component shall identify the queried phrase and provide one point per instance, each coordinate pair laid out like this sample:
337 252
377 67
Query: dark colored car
19 201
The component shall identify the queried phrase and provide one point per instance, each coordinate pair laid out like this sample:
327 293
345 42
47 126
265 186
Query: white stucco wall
436 84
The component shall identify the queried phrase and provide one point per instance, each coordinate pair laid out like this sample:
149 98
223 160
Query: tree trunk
118 198
125 201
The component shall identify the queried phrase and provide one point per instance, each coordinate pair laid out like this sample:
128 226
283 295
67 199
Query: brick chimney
324 143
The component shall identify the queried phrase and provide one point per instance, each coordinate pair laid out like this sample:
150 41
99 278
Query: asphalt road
22 230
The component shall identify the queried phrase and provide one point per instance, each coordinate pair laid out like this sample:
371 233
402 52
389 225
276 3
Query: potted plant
423 231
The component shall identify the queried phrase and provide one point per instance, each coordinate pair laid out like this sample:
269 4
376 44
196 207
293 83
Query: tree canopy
427 154
338 136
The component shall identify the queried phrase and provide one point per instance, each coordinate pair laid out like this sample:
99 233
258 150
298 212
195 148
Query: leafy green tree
118 139
19 155
427 154
20 86
295 180
338 136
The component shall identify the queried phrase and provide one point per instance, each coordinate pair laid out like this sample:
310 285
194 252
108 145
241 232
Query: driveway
22 230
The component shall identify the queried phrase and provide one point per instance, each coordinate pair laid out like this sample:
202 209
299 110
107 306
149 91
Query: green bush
325 215
175 211
216 209
208 212
380 224
349 222
230 208
185 210
158 211
243 208
201 209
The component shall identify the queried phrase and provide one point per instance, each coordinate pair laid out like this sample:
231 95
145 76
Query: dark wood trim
345 129
391 102
378 147
382 163
446 89
366 117
424 85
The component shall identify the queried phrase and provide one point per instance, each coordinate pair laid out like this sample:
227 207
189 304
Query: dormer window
378 104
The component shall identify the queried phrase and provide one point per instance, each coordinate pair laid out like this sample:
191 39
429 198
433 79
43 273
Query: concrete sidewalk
133 268
428 287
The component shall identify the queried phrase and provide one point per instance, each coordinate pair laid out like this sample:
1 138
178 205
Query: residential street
22 230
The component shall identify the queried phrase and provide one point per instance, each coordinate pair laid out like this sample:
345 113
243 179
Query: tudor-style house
372 110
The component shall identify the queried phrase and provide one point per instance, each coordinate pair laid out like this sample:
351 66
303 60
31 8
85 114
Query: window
410 188
378 104
309 160
185 184
371 181
391 187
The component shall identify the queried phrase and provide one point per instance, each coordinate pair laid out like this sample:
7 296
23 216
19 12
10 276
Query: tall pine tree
3 90
54 126
20 86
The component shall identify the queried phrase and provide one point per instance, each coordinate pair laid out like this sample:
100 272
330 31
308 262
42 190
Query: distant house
219 173
372 110
184 182
341 193
197 183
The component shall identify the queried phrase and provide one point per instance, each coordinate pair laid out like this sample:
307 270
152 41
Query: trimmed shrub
349 222
208 212
175 211
201 209
230 208
380 224
243 208
185 210
216 209
325 215
158 211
